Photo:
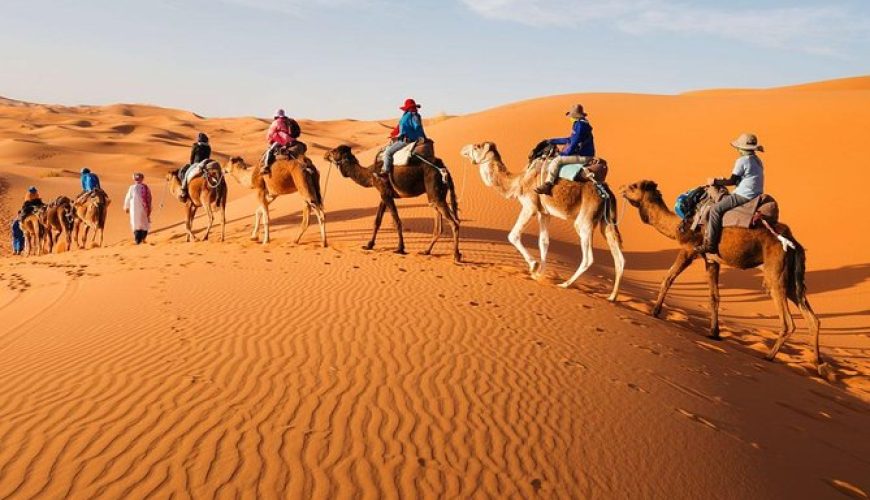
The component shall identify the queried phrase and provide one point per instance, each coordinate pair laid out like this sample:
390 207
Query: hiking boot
545 189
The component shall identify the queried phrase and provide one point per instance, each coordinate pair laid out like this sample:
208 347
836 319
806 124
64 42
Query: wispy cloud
822 30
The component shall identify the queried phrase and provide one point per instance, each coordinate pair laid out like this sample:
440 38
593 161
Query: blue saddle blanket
570 172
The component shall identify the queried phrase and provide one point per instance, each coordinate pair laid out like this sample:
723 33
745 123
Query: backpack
293 127
687 202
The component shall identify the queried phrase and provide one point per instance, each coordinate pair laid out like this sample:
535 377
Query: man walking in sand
137 203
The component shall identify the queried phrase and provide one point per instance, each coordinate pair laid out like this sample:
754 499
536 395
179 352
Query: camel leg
191 213
515 236
255 233
223 220
684 258
321 221
394 211
713 285
210 213
543 239
775 278
584 225
379 217
266 221
436 231
611 233
306 216
453 222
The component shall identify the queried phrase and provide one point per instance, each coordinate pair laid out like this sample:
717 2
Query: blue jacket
581 141
90 181
411 127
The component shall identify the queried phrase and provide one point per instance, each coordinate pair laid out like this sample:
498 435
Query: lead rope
326 184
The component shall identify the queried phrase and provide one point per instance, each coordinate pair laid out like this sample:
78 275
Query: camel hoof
612 298
565 285
714 336
368 247
656 312
400 251
457 259
254 238
533 267
426 252
827 372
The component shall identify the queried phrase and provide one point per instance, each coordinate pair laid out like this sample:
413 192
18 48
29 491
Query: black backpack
293 126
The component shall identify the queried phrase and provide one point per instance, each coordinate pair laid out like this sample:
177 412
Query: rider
579 148
32 200
199 152
282 133
748 176
409 129
90 183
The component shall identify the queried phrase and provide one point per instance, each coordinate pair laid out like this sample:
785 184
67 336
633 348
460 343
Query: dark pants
714 223
140 236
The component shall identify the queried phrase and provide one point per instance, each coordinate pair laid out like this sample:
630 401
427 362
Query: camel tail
609 219
797 269
314 188
451 190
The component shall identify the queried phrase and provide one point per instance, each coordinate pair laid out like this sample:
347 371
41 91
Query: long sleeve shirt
199 152
411 127
90 181
581 142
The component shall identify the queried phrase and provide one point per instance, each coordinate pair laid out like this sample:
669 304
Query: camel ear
485 147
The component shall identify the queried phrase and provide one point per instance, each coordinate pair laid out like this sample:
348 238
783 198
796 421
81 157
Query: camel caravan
563 178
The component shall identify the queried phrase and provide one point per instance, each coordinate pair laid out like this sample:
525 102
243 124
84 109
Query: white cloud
809 29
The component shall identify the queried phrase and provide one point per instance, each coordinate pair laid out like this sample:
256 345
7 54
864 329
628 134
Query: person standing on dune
17 237
579 148
409 129
137 203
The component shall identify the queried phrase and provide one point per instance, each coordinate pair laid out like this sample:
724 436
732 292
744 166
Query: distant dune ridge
213 370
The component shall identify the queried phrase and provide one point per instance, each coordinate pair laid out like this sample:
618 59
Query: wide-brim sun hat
747 142
576 111
410 104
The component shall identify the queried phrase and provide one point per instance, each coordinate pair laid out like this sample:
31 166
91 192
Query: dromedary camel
209 191
90 217
58 221
34 231
577 202
287 176
408 181
740 248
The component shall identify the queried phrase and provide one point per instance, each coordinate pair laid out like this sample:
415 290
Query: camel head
235 162
485 155
640 191
343 158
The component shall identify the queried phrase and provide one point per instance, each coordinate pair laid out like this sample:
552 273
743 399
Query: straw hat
747 142
577 112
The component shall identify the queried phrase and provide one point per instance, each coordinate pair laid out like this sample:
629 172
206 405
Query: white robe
135 202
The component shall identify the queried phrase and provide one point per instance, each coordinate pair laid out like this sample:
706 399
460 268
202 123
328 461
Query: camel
90 216
287 176
408 181
34 231
577 202
739 248
209 191
58 221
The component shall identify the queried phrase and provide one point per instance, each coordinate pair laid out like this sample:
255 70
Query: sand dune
217 370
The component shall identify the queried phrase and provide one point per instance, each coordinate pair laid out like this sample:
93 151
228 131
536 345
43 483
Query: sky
332 59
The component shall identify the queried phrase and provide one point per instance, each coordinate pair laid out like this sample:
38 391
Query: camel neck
655 213
245 177
501 179
360 174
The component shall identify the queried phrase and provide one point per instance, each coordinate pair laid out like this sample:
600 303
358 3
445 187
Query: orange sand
217 370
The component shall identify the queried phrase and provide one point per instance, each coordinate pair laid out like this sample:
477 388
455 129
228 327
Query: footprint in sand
697 418
536 484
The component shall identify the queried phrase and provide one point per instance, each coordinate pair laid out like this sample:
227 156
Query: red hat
410 105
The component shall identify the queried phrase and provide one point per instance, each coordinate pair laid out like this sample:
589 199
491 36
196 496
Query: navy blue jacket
90 181
581 142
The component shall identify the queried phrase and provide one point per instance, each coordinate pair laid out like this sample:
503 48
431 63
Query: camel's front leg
188 225
394 211
255 234
223 220
266 222
543 239
516 235
321 221
684 258
713 284
379 217
210 213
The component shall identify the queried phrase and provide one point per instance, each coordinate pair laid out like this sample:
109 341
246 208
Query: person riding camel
90 183
748 176
32 201
283 133
409 130
199 153
579 148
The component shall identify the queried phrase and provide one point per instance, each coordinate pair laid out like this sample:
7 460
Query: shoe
545 189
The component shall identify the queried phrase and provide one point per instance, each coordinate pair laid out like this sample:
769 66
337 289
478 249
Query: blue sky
341 58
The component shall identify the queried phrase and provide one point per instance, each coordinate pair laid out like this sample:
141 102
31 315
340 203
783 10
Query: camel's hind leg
516 235
583 224
306 221
713 285
611 233
223 209
321 222
775 278
436 231
188 223
379 217
210 214
255 234
394 211
453 222
684 258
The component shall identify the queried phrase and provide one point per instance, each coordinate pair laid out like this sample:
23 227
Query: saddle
292 151
574 172
423 147
747 216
